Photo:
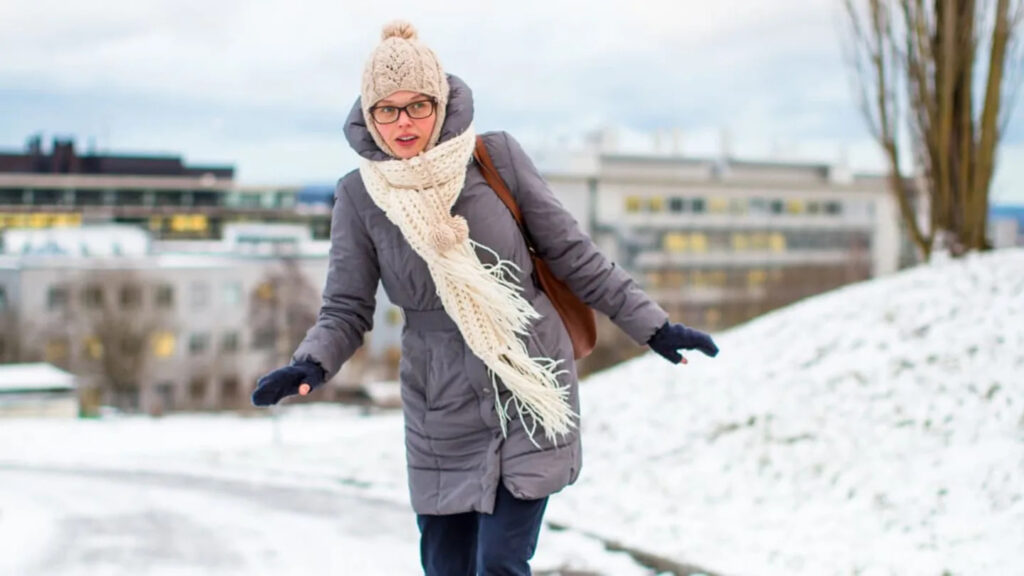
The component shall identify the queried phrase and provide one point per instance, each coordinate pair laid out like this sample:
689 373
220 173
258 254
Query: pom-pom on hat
402 62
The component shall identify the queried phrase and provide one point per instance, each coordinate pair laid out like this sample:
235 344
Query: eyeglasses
417 110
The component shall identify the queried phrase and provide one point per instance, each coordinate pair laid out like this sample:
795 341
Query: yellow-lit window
56 350
198 223
759 241
698 278
675 279
156 223
698 242
712 316
756 277
163 344
92 347
740 242
38 220
654 279
656 204
795 206
718 205
675 242
718 278
778 242
265 291
633 203
19 221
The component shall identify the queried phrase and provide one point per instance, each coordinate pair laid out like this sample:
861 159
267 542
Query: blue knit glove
270 389
671 337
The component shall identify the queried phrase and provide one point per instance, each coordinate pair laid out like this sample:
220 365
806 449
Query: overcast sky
265 85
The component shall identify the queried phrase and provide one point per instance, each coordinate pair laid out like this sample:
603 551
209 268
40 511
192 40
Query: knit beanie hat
402 62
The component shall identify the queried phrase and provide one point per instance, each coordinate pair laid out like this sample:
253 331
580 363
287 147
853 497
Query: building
163 325
62 188
1006 225
720 241
35 390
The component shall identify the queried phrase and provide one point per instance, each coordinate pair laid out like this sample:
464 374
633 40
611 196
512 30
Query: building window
57 298
740 242
229 342
758 206
265 291
814 207
655 204
795 206
778 242
232 294
264 339
633 204
756 278
56 350
3 349
229 388
131 296
163 344
775 207
3 298
198 343
200 295
833 208
165 392
675 242
737 206
197 389
92 297
698 205
92 347
718 205
676 204
165 296
698 242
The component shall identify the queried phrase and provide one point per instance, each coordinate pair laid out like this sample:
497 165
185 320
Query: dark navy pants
468 544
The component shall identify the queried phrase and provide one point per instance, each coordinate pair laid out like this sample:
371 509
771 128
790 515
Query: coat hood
458 117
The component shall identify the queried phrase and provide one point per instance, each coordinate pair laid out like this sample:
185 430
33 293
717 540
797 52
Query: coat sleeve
349 296
573 256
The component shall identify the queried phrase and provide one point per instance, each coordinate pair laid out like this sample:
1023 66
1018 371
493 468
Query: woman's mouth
406 141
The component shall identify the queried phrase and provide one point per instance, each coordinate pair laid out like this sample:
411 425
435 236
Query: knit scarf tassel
484 300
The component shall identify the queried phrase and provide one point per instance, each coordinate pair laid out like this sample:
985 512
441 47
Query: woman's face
406 136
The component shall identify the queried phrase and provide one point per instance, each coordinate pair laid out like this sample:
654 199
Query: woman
489 389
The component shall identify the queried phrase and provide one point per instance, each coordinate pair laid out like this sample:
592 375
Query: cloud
233 81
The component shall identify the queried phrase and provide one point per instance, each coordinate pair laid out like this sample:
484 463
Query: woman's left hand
671 337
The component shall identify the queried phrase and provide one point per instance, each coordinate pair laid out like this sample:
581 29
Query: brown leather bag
578 317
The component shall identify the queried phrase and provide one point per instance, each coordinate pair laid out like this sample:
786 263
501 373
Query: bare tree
108 330
919 66
282 307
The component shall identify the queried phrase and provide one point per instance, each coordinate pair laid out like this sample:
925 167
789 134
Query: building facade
171 325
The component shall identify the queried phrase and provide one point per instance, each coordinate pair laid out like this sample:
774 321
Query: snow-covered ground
878 429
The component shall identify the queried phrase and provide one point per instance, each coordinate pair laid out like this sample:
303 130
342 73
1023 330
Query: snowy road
110 523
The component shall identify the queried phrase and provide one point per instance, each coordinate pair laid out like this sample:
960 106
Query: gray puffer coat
455 451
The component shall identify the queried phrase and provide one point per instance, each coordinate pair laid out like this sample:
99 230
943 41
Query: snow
877 429
874 430
33 377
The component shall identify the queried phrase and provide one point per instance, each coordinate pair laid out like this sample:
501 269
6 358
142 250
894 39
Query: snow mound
876 429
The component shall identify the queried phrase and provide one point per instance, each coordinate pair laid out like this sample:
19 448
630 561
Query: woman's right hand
299 378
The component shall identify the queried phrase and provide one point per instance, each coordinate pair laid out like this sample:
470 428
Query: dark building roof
63 159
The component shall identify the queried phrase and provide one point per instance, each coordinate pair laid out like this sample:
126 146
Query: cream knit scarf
484 300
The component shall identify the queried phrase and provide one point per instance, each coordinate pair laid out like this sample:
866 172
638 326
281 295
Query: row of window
163 344
130 296
73 197
736 206
778 241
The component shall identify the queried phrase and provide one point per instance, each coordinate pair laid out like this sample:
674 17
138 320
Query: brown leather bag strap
495 181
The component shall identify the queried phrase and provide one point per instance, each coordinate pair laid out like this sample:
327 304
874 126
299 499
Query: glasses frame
433 109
